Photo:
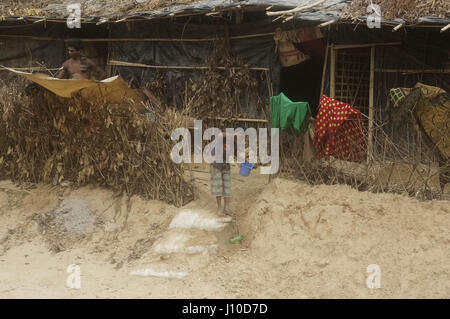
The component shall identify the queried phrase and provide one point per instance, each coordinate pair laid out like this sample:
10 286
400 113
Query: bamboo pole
237 37
365 45
371 102
401 25
109 67
140 65
32 68
333 72
410 71
238 119
445 28
328 23
191 174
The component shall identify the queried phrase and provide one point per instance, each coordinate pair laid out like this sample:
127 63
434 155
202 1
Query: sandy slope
304 242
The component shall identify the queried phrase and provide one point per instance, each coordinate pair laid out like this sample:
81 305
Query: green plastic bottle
236 239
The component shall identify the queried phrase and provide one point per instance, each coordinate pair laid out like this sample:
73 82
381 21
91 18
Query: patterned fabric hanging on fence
339 131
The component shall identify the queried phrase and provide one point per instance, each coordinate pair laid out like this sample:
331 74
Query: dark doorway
301 82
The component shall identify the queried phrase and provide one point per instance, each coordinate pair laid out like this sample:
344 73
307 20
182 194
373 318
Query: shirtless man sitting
78 66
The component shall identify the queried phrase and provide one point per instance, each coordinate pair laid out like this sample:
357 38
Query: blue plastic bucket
246 168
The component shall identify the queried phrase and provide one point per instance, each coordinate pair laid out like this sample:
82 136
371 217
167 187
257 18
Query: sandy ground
301 241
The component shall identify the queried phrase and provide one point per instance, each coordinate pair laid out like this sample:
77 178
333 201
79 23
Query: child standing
221 179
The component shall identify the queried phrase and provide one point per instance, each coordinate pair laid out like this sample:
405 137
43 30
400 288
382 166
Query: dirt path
304 242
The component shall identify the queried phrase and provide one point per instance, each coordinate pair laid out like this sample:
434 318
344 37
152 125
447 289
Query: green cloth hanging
289 116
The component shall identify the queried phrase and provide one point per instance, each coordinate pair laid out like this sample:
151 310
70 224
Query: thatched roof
116 9
89 8
411 11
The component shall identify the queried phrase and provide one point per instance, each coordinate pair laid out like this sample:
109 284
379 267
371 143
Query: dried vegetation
49 139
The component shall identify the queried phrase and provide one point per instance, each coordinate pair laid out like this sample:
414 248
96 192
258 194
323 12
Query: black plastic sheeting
427 45
21 53
419 48
255 52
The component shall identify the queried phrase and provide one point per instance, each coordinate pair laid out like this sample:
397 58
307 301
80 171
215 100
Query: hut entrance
301 82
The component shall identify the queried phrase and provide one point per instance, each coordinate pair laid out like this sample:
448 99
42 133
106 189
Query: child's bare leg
219 204
226 205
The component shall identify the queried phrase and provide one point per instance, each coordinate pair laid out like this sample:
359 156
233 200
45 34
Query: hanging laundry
397 95
431 108
289 116
339 131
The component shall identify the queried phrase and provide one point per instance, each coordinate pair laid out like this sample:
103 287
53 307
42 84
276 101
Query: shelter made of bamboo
222 61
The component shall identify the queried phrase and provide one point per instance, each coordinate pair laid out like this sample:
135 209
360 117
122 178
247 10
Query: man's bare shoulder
66 63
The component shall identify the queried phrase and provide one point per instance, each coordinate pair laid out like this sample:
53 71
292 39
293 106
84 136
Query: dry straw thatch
48 139
89 8
409 10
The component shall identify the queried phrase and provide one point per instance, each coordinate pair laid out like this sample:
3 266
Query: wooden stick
398 27
365 45
270 93
237 37
140 65
371 102
238 119
276 13
33 68
327 23
333 72
277 18
29 37
120 20
445 28
410 71
185 94
102 21
213 13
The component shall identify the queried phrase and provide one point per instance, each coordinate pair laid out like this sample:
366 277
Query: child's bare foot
227 212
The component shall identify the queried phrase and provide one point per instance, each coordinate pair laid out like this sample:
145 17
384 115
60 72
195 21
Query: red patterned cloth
339 131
